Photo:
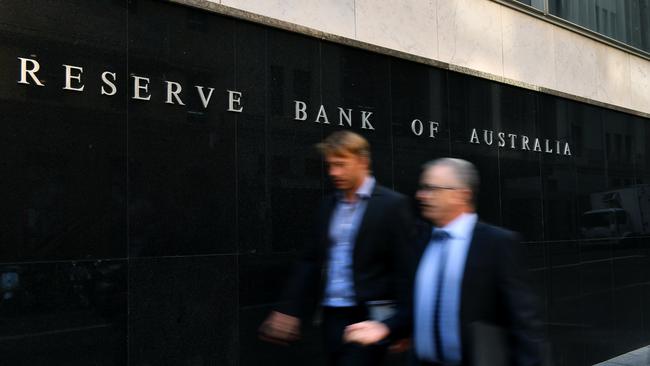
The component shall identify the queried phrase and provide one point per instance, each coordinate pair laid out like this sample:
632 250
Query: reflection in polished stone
359 80
63 174
69 313
473 104
183 311
418 93
294 174
182 181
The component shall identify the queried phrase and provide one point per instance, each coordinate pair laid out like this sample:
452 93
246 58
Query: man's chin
429 215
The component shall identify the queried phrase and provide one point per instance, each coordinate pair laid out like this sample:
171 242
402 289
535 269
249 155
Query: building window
538 4
626 21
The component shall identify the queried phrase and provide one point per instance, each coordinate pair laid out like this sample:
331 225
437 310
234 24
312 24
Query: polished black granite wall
139 232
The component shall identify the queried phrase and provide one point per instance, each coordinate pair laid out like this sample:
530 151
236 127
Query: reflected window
617 146
576 133
596 219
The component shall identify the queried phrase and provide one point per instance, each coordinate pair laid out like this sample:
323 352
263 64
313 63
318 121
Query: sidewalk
639 357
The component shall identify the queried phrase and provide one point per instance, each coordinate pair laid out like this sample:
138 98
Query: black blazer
494 292
384 256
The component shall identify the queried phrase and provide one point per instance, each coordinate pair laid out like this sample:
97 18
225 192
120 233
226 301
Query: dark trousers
417 362
346 354
427 363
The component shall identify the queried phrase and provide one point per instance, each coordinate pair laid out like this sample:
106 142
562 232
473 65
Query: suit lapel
474 254
472 266
423 237
474 249
369 216
327 212
329 208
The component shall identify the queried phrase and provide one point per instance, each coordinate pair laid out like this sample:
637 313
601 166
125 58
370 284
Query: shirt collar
461 227
365 190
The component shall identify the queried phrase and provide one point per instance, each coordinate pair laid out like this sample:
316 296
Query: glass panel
626 21
539 4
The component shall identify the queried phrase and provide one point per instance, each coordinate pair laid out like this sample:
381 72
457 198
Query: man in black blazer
357 265
469 281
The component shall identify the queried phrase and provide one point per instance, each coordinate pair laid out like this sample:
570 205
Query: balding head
463 172
447 189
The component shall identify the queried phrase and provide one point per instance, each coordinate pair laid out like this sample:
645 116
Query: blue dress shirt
453 251
344 225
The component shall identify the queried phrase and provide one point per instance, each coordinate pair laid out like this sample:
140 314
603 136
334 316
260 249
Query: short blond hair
344 142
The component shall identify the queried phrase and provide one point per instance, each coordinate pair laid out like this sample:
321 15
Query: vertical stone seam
238 251
391 124
434 5
128 194
354 11
628 62
503 60
555 56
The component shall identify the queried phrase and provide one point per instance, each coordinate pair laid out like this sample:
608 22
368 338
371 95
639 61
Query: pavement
638 357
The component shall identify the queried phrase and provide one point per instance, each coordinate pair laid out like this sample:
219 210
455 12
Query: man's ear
467 196
365 161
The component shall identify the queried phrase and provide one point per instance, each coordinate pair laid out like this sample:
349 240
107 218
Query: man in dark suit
469 281
357 266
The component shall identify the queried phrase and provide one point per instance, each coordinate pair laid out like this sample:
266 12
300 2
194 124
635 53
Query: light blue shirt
344 225
455 248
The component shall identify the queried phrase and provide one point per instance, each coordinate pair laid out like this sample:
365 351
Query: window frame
545 15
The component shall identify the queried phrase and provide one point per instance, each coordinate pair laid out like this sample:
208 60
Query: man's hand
366 333
280 328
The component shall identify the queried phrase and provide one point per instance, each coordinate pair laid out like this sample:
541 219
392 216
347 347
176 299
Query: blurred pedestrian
471 304
358 264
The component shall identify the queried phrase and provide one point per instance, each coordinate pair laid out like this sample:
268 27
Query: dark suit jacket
494 292
383 255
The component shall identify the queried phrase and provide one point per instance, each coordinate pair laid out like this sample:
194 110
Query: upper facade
553 46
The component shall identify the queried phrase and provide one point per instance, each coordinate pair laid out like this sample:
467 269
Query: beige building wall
499 42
